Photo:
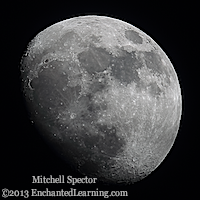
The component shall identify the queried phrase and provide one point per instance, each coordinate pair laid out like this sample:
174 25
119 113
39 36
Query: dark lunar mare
154 63
95 59
133 36
80 143
123 67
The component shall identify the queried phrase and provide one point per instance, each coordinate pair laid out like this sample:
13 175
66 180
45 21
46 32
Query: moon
104 95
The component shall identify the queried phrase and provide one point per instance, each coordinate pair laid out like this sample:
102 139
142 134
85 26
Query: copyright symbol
5 193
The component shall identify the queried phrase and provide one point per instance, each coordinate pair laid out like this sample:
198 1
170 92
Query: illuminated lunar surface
104 95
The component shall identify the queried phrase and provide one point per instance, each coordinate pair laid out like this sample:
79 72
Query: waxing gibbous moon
104 95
